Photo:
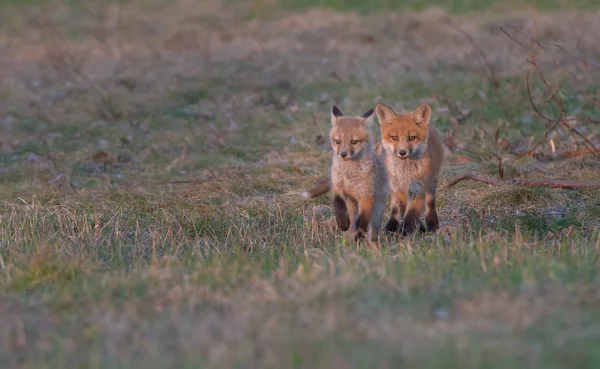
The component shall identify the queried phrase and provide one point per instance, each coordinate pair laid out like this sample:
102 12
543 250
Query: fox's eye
354 142
337 142
411 138
394 138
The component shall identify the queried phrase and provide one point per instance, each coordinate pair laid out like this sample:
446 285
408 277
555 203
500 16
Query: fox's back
435 149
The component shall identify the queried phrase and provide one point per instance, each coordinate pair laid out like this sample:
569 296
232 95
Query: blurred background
105 95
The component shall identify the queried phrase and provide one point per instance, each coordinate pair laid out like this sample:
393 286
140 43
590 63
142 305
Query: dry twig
565 155
550 183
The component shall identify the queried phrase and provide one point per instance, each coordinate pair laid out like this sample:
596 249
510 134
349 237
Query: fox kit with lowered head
414 156
358 178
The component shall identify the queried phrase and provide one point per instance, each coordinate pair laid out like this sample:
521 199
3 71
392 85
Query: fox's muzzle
402 154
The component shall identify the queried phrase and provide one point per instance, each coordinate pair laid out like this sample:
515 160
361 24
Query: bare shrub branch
553 92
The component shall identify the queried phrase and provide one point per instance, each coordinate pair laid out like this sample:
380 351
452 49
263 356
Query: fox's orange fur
358 177
414 156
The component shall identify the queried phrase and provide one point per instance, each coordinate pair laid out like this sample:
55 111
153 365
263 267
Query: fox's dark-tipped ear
335 113
422 114
368 114
368 117
384 113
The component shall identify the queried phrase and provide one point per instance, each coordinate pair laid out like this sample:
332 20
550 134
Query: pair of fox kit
406 164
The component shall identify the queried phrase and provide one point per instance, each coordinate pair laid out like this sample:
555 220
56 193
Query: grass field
151 159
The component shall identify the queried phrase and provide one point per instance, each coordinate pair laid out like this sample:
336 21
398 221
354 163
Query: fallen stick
550 183
566 155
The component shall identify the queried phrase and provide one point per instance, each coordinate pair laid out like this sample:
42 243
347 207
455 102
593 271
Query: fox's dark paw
433 223
343 223
359 235
408 226
341 213
392 226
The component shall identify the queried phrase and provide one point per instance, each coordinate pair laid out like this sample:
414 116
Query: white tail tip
305 195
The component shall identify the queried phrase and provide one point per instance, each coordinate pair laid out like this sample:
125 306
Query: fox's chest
350 175
403 172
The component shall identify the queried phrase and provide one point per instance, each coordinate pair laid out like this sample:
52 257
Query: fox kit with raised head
358 177
414 156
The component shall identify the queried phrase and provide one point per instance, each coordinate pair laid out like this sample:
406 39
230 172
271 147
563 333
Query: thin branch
514 39
565 155
549 183
574 154
562 118
541 44
474 177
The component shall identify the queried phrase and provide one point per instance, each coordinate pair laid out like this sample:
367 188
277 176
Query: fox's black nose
343 154
402 152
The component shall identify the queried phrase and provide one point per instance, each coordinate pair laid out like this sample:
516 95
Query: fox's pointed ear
384 113
422 114
369 118
335 113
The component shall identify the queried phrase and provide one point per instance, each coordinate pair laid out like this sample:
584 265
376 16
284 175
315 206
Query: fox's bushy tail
320 188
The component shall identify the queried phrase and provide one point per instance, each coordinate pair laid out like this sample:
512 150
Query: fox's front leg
340 210
414 209
352 205
365 211
398 210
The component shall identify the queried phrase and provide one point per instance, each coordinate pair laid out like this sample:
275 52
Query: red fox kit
358 177
414 156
